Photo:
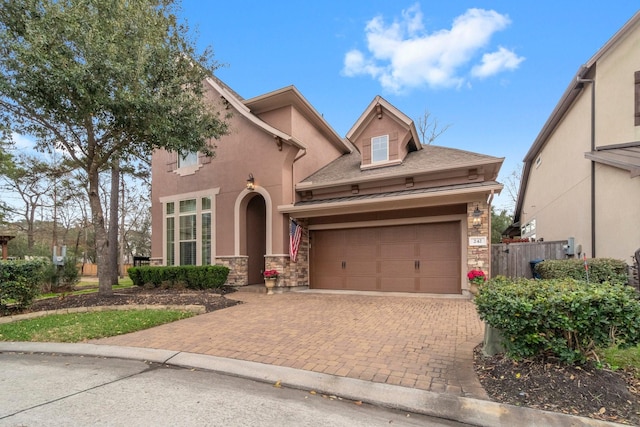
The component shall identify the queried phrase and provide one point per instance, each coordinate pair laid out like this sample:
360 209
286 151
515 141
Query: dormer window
380 149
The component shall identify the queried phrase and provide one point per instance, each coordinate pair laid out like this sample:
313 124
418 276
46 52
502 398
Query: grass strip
79 327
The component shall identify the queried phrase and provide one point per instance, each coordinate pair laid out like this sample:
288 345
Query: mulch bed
545 384
212 299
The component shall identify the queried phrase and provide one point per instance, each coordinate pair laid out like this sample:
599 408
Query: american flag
295 235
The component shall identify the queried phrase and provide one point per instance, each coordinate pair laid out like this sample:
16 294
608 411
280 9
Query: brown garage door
403 258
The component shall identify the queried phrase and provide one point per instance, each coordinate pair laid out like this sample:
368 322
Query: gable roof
231 97
430 159
375 110
291 96
564 105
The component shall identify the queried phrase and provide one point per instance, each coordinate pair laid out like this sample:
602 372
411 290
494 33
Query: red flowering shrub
477 276
271 274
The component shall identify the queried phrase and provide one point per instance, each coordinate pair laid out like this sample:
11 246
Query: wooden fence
514 259
92 269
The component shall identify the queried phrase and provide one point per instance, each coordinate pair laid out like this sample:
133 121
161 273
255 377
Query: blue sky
493 70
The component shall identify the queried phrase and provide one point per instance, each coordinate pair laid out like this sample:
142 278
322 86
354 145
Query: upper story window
380 148
188 159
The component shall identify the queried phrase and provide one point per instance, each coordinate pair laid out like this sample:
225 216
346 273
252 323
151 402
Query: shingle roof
467 186
430 158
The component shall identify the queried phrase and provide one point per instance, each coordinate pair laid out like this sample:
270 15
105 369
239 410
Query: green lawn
78 327
622 359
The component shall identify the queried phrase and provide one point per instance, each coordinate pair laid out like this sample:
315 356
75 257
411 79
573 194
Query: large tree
105 81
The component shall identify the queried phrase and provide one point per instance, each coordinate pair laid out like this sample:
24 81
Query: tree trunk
114 202
103 260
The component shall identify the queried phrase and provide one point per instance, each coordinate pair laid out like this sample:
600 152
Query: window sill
187 170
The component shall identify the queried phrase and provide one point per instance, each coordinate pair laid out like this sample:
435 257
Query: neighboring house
581 177
378 210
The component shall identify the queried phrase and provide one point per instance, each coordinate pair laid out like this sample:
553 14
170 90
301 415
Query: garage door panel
406 258
329 282
402 233
360 236
398 250
442 285
439 250
398 268
362 283
443 268
362 252
358 268
399 284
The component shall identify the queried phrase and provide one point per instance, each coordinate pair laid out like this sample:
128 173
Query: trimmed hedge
189 276
20 283
600 270
566 318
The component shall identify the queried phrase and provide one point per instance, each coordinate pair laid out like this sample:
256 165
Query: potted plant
476 279
270 279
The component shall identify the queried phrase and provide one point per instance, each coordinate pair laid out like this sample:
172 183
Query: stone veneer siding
292 274
238 269
478 257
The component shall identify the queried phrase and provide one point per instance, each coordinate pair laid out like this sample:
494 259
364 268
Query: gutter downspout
301 154
593 163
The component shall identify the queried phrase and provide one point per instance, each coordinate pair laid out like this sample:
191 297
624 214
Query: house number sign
478 241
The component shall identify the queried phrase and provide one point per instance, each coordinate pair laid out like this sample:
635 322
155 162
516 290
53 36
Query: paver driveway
421 342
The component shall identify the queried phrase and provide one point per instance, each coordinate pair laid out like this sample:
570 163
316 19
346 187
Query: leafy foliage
106 82
189 276
566 318
499 223
20 282
600 270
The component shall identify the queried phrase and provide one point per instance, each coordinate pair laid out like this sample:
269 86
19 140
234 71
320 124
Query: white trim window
380 149
188 228
189 159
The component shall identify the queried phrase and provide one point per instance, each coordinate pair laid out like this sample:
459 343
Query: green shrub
20 283
600 270
189 276
61 278
566 318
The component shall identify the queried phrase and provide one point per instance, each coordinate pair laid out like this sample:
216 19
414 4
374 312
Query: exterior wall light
477 217
251 184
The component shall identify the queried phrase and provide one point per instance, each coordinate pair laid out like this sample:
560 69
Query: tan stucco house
581 177
378 210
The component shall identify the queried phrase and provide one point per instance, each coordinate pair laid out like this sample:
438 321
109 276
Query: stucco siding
615 93
617 213
558 192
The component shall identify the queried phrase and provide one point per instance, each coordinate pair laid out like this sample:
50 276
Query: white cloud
22 142
402 55
493 63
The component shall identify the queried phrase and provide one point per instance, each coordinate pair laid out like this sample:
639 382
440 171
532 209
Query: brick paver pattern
424 343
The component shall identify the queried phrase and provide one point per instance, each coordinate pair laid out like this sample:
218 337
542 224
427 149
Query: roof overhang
491 173
234 102
392 201
372 111
621 156
291 96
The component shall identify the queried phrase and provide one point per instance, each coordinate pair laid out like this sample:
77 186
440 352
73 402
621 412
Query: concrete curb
446 406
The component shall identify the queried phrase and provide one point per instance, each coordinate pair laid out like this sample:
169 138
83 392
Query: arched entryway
255 233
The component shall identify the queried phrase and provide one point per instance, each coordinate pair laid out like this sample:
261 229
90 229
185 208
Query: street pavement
68 390
114 386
